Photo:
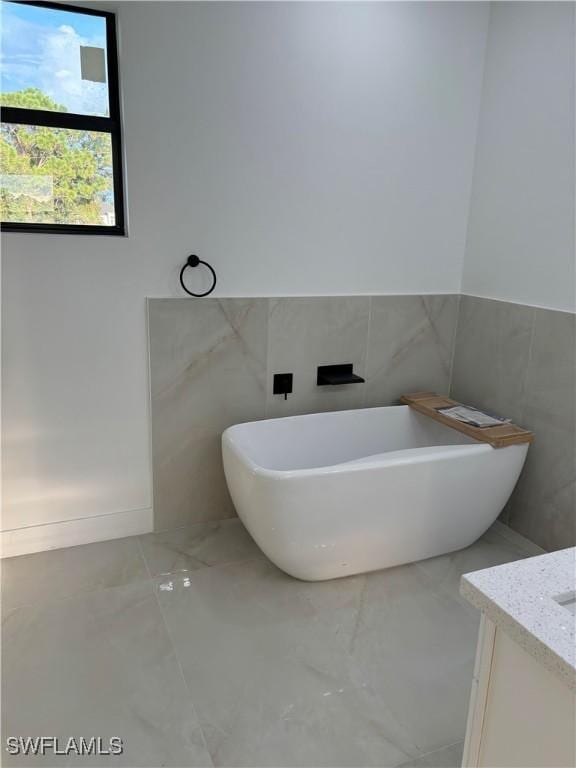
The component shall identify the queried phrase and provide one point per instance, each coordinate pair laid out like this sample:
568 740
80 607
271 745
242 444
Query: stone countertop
525 598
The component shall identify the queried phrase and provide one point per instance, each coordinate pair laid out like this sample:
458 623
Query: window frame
110 125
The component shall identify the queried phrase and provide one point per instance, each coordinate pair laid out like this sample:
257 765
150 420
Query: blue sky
40 48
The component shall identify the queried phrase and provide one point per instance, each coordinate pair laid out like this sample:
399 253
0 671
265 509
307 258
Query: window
60 148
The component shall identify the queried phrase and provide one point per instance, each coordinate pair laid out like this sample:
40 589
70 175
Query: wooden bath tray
498 437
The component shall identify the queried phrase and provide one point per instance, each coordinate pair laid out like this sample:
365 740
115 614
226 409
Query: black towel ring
193 261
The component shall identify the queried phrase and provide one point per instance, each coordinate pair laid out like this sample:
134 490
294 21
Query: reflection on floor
196 651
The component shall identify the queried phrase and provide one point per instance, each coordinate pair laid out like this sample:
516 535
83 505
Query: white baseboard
118 525
70 533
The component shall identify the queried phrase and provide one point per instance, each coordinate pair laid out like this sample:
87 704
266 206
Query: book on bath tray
469 415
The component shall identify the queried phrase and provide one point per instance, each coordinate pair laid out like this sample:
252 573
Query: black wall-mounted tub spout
337 374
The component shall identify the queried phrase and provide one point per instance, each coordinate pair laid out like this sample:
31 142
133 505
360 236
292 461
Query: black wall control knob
282 384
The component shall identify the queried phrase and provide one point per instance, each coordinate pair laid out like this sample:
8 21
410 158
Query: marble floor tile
198 546
100 664
59 573
449 757
268 660
410 346
238 664
492 549
414 647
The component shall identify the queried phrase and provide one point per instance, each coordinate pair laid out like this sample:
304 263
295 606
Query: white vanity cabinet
522 710
521 714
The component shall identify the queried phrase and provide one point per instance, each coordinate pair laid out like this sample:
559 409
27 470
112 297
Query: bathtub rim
400 457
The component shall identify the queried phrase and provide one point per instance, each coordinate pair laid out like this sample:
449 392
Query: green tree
52 175
31 98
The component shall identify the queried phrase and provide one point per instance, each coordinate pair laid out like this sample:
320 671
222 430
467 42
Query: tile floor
197 651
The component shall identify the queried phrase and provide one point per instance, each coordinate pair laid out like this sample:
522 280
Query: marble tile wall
520 362
212 363
410 347
207 371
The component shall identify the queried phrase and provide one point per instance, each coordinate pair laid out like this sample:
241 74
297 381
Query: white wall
521 230
301 148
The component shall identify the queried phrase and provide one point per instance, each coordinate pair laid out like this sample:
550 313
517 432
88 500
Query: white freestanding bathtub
332 494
